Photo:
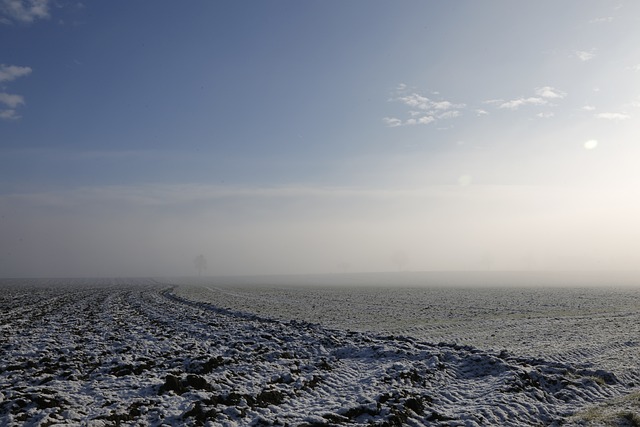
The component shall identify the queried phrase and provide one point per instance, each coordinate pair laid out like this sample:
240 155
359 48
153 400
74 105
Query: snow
145 352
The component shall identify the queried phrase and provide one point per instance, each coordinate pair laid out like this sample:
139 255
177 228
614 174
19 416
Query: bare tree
400 259
344 266
487 261
201 263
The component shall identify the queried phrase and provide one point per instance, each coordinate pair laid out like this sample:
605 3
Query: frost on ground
107 354
599 326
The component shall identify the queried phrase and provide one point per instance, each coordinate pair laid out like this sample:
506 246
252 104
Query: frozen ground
600 326
145 352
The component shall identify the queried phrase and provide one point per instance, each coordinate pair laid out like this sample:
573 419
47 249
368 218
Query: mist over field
156 231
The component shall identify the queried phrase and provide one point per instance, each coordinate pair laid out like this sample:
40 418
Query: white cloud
517 103
9 115
584 55
635 67
613 116
416 101
549 92
602 20
392 122
25 11
545 115
10 100
481 112
424 120
449 114
11 72
444 105
543 96
423 110
588 108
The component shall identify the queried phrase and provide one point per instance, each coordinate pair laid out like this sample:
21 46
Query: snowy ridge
106 355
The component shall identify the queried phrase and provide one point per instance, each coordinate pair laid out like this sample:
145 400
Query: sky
318 137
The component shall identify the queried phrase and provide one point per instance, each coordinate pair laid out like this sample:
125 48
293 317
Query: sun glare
591 144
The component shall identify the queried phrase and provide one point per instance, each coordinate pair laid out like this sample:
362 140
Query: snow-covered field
153 352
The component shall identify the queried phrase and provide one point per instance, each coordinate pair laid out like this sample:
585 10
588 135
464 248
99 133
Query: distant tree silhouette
487 261
400 259
344 267
201 263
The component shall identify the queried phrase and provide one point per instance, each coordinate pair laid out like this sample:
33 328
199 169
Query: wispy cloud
545 114
415 100
514 104
481 112
424 120
588 108
449 114
392 121
601 20
543 97
9 114
613 116
585 55
25 11
550 92
154 195
11 72
11 100
422 110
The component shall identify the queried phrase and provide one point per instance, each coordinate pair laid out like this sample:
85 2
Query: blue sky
295 137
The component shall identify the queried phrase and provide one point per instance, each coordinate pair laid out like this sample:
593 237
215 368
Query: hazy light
465 180
591 144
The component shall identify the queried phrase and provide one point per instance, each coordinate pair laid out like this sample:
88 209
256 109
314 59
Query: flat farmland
168 352
576 324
